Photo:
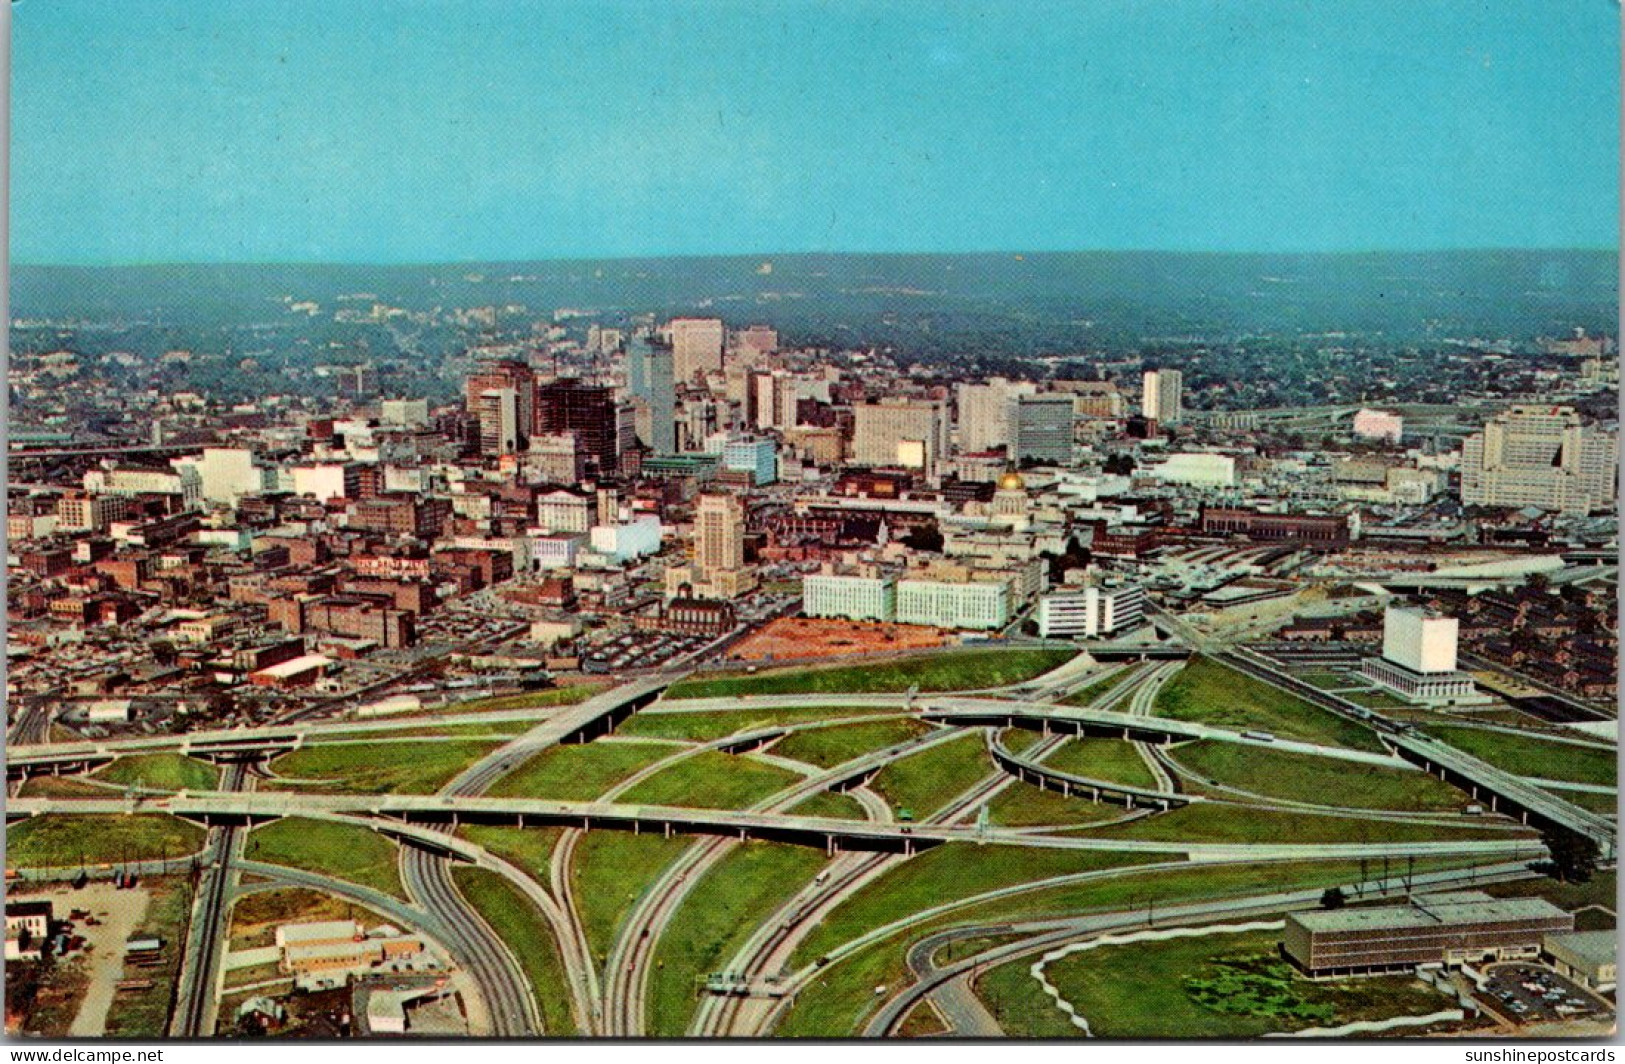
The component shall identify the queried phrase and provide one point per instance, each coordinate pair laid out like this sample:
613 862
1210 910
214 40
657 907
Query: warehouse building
1468 927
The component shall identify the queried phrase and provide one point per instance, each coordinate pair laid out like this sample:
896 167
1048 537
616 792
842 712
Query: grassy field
255 917
145 1013
62 787
954 670
378 767
1328 681
1306 778
552 696
525 930
924 782
338 850
1220 986
1529 756
1213 693
1376 700
831 804
611 870
941 875
578 773
1110 760
1022 804
1101 686
828 747
712 780
492 730
60 840
1219 822
1601 889
165 772
838 1000
716 918
529 849
704 727
1597 803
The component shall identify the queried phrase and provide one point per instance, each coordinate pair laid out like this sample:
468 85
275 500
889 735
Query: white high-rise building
984 413
977 605
696 345
404 413
1541 456
1089 611
1163 396
1419 659
651 377
228 473
910 434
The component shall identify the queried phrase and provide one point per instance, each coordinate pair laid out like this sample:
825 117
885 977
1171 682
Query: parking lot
642 650
1533 993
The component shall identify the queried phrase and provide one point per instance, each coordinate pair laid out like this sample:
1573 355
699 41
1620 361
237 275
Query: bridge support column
1066 788
667 826
1130 798
829 845
521 819
637 827
1046 729
586 824
1094 795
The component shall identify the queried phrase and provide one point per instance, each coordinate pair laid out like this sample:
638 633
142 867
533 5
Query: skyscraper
505 373
1163 398
696 345
984 413
1543 456
499 421
1041 428
719 535
588 411
650 377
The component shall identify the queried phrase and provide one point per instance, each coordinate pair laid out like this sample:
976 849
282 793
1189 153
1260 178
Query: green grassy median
377 768
1324 781
1213 693
578 773
954 670
64 841
164 772
353 854
526 931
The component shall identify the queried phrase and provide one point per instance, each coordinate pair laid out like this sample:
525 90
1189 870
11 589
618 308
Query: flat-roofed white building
1197 469
1419 658
854 597
1067 613
977 605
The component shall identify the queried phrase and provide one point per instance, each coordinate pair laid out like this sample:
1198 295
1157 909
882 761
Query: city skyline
341 134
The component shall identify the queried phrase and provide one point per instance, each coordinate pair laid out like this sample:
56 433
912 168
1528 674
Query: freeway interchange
614 998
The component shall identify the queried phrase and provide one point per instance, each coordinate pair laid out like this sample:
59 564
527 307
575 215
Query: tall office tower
719 535
650 377
499 421
1163 399
776 397
1542 456
1041 428
586 410
984 413
696 345
505 373
912 434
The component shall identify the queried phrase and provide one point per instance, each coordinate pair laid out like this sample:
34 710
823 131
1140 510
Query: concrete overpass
1071 786
399 813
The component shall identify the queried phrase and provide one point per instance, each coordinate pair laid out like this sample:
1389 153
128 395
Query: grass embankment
925 782
837 744
711 779
377 768
830 804
702 726
164 772
60 840
716 918
352 854
1218 986
1024 805
1108 760
526 931
1526 755
578 773
1213 693
611 871
1324 781
954 670
528 849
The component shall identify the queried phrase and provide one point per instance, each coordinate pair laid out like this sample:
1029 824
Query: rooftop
1466 907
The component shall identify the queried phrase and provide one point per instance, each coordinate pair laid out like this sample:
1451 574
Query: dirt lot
119 913
801 638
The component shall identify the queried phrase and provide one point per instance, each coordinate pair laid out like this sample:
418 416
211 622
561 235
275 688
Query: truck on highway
1259 736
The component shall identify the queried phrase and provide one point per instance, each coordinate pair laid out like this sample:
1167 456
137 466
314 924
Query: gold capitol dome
1012 481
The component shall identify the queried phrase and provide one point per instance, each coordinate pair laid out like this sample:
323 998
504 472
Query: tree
1333 898
1574 856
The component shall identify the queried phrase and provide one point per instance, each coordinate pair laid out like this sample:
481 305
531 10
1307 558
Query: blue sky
415 131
